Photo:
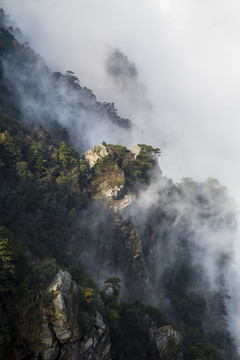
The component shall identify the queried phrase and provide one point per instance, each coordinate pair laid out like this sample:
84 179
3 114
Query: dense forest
158 265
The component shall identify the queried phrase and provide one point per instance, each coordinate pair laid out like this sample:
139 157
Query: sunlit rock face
136 149
97 152
62 334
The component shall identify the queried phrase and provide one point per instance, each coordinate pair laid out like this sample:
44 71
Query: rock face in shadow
168 342
134 268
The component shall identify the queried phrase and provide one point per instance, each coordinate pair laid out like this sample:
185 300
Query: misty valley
102 256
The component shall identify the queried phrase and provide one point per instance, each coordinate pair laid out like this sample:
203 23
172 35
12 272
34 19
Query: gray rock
46 336
168 342
51 353
60 288
60 336
114 193
62 282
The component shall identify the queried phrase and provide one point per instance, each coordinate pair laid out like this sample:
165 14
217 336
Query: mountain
101 256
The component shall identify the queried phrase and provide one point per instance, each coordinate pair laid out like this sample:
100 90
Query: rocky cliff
116 199
65 324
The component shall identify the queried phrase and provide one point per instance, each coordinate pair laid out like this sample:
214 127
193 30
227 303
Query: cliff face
116 200
133 265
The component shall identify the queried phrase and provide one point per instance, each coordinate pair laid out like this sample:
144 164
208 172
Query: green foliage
45 300
7 41
10 152
129 333
7 266
141 167
129 324
45 272
88 296
202 351
86 322
84 173
36 182
148 149
156 316
120 151
91 300
15 272
23 172
68 157
121 160
112 315
76 273
40 163
5 343
114 282
79 275
188 306
105 166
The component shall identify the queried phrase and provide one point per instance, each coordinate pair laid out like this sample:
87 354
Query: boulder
97 152
168 342
136 150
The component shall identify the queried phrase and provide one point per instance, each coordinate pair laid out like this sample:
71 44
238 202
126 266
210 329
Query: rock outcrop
168 342
97 152
136 149
62 335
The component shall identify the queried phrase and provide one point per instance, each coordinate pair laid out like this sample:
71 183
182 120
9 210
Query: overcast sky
187 54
